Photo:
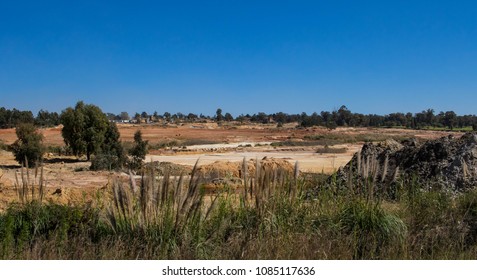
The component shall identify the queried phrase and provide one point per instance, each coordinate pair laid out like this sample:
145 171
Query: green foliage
73 128
138 151
228 117
330 150
21 227
14 117
3 146
111 155
84 128
371 228
28 147
467 208
218 115
46 119
267 218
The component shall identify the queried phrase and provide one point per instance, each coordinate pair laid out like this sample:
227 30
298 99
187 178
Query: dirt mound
276 164
221 169
446 162
161 168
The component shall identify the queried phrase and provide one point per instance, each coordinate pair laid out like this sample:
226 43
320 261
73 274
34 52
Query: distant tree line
342 117
422 120
12 118
88 131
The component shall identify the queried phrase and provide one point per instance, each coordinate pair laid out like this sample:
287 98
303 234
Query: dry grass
271 217
30 187
331 150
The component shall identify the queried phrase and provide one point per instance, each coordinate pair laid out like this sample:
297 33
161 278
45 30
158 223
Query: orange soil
79 186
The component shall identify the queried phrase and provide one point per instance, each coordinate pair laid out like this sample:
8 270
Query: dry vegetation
269 217
247 209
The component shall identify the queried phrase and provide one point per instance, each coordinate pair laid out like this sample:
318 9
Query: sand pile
221 169
161 168
446 162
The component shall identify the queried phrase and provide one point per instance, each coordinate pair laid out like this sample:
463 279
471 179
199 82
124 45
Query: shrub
28 148
138 151
3 146
32 224
112 155
105 162
371 228
331 150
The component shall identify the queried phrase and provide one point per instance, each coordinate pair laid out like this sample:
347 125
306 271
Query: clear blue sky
242 56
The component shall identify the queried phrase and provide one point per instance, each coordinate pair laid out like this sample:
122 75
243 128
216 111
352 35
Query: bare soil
70 181
233 133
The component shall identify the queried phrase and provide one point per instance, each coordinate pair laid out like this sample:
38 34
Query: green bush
3 146
105 162
21 227
371 229
138 151
28 148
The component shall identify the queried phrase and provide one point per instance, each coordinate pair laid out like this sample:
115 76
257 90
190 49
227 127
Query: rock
447 162
57 191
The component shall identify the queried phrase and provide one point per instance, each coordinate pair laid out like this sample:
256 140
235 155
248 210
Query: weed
271 217
330 150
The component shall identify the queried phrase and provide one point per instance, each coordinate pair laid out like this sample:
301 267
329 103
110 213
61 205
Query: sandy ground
70 181
65 180
308 160
226 134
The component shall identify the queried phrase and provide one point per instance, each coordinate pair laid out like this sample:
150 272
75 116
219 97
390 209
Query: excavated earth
447 162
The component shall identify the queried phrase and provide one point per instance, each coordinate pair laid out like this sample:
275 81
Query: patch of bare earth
70 181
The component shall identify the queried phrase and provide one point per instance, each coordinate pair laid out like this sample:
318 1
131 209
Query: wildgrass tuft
271 216
30 187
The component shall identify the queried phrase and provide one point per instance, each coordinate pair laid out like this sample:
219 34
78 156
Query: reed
30 187
272 217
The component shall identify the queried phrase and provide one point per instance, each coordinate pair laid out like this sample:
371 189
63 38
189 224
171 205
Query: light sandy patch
225 145
308 160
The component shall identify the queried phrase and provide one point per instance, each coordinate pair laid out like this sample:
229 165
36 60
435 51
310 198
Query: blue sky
242 56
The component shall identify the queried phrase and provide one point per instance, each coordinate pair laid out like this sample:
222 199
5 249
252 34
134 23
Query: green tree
29 146
228 117
138 151
191 117
112 154
218 115
45 118
137 118
84 129
344 116
450 119
124 116
167 116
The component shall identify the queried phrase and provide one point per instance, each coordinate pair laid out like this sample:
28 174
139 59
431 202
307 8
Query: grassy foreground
270 217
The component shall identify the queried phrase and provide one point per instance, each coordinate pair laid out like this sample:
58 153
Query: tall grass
271 217
30 187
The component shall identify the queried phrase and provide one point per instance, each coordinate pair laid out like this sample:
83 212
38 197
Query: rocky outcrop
447 162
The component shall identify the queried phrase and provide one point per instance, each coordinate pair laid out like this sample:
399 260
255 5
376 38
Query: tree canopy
84 128
28 147
138 151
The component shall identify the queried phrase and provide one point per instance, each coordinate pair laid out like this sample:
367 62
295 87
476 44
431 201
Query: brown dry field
79 185
226 134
